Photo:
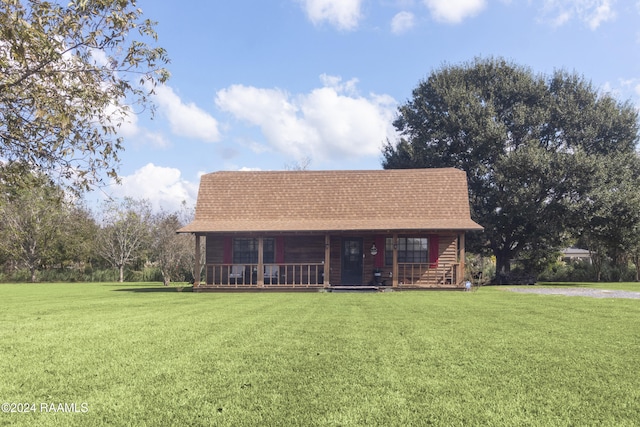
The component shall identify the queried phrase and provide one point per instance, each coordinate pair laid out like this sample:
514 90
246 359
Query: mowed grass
138 357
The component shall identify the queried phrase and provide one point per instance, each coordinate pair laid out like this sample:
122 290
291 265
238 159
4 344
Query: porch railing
312 274
246 275
427 274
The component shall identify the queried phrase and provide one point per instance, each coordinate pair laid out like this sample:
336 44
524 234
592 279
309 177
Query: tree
609 216
186 215
77 242
34 213
124 232
171 251
300 165
68 76
527 143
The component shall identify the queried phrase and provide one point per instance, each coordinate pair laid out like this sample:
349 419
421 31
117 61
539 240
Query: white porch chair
271 273
236 272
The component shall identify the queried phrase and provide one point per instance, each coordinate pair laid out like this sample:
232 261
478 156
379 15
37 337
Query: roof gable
401 199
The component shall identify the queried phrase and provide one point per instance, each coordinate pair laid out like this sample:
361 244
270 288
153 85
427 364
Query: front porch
311 276
298 261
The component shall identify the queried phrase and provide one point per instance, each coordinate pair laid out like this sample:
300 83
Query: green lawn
129 356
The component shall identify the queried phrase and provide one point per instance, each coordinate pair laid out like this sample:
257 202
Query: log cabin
313 230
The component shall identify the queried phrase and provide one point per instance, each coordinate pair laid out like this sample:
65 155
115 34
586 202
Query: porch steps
359 288
353 289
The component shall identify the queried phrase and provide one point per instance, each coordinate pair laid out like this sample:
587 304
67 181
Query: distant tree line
551 161
47 234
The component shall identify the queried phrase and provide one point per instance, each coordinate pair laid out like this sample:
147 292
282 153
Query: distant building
570 255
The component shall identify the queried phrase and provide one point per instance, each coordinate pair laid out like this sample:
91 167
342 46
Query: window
245 250
410 250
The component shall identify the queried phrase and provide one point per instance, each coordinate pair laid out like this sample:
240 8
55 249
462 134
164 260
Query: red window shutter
378 259
227 250
434 249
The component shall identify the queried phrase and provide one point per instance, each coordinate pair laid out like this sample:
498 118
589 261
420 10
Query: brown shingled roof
399 199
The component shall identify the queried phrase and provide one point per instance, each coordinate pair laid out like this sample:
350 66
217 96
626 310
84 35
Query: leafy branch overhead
69 76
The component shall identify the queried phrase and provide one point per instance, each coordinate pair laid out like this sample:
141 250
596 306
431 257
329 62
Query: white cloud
454 11
99 57
632 86
591 12
186 120
127 127
163 187
402 22
602 13
607 88
274 112
327 122
624 90
561 19
335 82
343 14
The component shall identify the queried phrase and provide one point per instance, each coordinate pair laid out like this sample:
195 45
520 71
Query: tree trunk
33 274
503 265
596 262
121 272
636 262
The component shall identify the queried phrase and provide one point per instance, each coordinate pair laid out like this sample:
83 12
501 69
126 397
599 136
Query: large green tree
527 142
69 74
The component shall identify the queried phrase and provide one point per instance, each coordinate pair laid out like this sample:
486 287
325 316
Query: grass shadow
156 289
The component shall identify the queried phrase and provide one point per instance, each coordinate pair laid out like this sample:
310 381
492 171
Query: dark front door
351 261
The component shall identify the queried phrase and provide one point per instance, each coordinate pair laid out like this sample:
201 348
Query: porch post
327 259
394 268
461 251
196 271
260 278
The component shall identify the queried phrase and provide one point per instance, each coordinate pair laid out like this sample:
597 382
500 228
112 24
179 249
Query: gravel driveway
577 292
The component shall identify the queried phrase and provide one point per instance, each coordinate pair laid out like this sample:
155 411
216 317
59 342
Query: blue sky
264 85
